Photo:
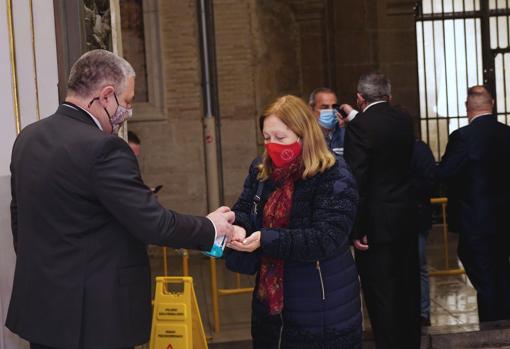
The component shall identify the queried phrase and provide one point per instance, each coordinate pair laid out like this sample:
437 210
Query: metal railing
217 292
447 271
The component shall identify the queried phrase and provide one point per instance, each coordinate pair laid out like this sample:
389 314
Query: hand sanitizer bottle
217 248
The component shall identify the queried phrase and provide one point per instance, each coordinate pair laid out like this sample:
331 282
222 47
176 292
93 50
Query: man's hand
341 120
361 244
347 110
222 219
250 244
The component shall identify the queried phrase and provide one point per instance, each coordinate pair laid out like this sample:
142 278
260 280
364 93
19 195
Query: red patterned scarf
277 215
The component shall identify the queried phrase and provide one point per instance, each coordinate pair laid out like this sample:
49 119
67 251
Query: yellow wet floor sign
176 321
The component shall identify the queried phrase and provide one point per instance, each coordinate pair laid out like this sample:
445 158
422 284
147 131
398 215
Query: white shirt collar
373 103
478 115
92 116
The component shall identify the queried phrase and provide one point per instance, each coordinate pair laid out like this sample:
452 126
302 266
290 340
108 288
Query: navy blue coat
423 180
476 169
321 289
335 140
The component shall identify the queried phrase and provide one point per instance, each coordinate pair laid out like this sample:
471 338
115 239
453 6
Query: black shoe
425 321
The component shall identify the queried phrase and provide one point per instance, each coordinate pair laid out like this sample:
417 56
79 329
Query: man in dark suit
476 170
378 147
81 217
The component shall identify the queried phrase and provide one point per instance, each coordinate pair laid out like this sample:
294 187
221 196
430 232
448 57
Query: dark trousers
390 280
39 346
486 261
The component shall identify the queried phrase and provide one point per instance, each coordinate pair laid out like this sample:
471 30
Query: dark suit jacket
476 170
423 181
378 148
81 217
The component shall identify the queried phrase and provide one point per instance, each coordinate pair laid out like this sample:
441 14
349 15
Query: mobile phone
340 110
157 188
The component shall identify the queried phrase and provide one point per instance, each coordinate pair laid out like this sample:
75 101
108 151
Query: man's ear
106 93
360 97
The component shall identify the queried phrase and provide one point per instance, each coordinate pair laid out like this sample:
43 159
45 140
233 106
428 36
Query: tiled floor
453 300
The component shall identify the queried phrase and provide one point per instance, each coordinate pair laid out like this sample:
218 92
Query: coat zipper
318 266
281 332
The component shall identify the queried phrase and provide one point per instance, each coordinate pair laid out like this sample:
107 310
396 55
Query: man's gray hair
96 69
374 87
311 99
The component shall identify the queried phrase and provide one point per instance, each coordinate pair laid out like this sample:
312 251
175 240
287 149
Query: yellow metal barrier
185 262
217 292
176 321
447 271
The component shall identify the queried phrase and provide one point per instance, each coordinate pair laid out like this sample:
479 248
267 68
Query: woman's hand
250 244
239 234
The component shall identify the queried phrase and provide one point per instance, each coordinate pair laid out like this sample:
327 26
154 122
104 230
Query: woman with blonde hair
298 207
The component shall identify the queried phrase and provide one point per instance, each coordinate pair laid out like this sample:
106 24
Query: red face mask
283 154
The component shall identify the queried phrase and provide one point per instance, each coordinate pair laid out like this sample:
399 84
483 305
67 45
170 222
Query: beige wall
265 48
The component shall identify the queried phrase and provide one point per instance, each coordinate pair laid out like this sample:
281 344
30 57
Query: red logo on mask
283 154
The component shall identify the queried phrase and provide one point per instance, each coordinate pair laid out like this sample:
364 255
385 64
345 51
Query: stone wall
236 59
265 49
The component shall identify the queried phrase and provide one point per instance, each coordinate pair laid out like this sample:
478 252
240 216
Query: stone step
492 335
487 335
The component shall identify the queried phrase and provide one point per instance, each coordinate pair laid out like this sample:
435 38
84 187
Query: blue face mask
328 119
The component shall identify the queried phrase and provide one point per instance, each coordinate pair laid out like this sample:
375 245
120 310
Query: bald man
476 171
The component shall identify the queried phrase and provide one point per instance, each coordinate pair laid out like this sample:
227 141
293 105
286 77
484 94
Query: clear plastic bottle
217 248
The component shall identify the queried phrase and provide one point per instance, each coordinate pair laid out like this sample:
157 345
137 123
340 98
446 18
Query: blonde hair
294 113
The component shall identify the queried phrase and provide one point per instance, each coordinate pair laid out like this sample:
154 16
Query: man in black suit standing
476 170
81 218
378 147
